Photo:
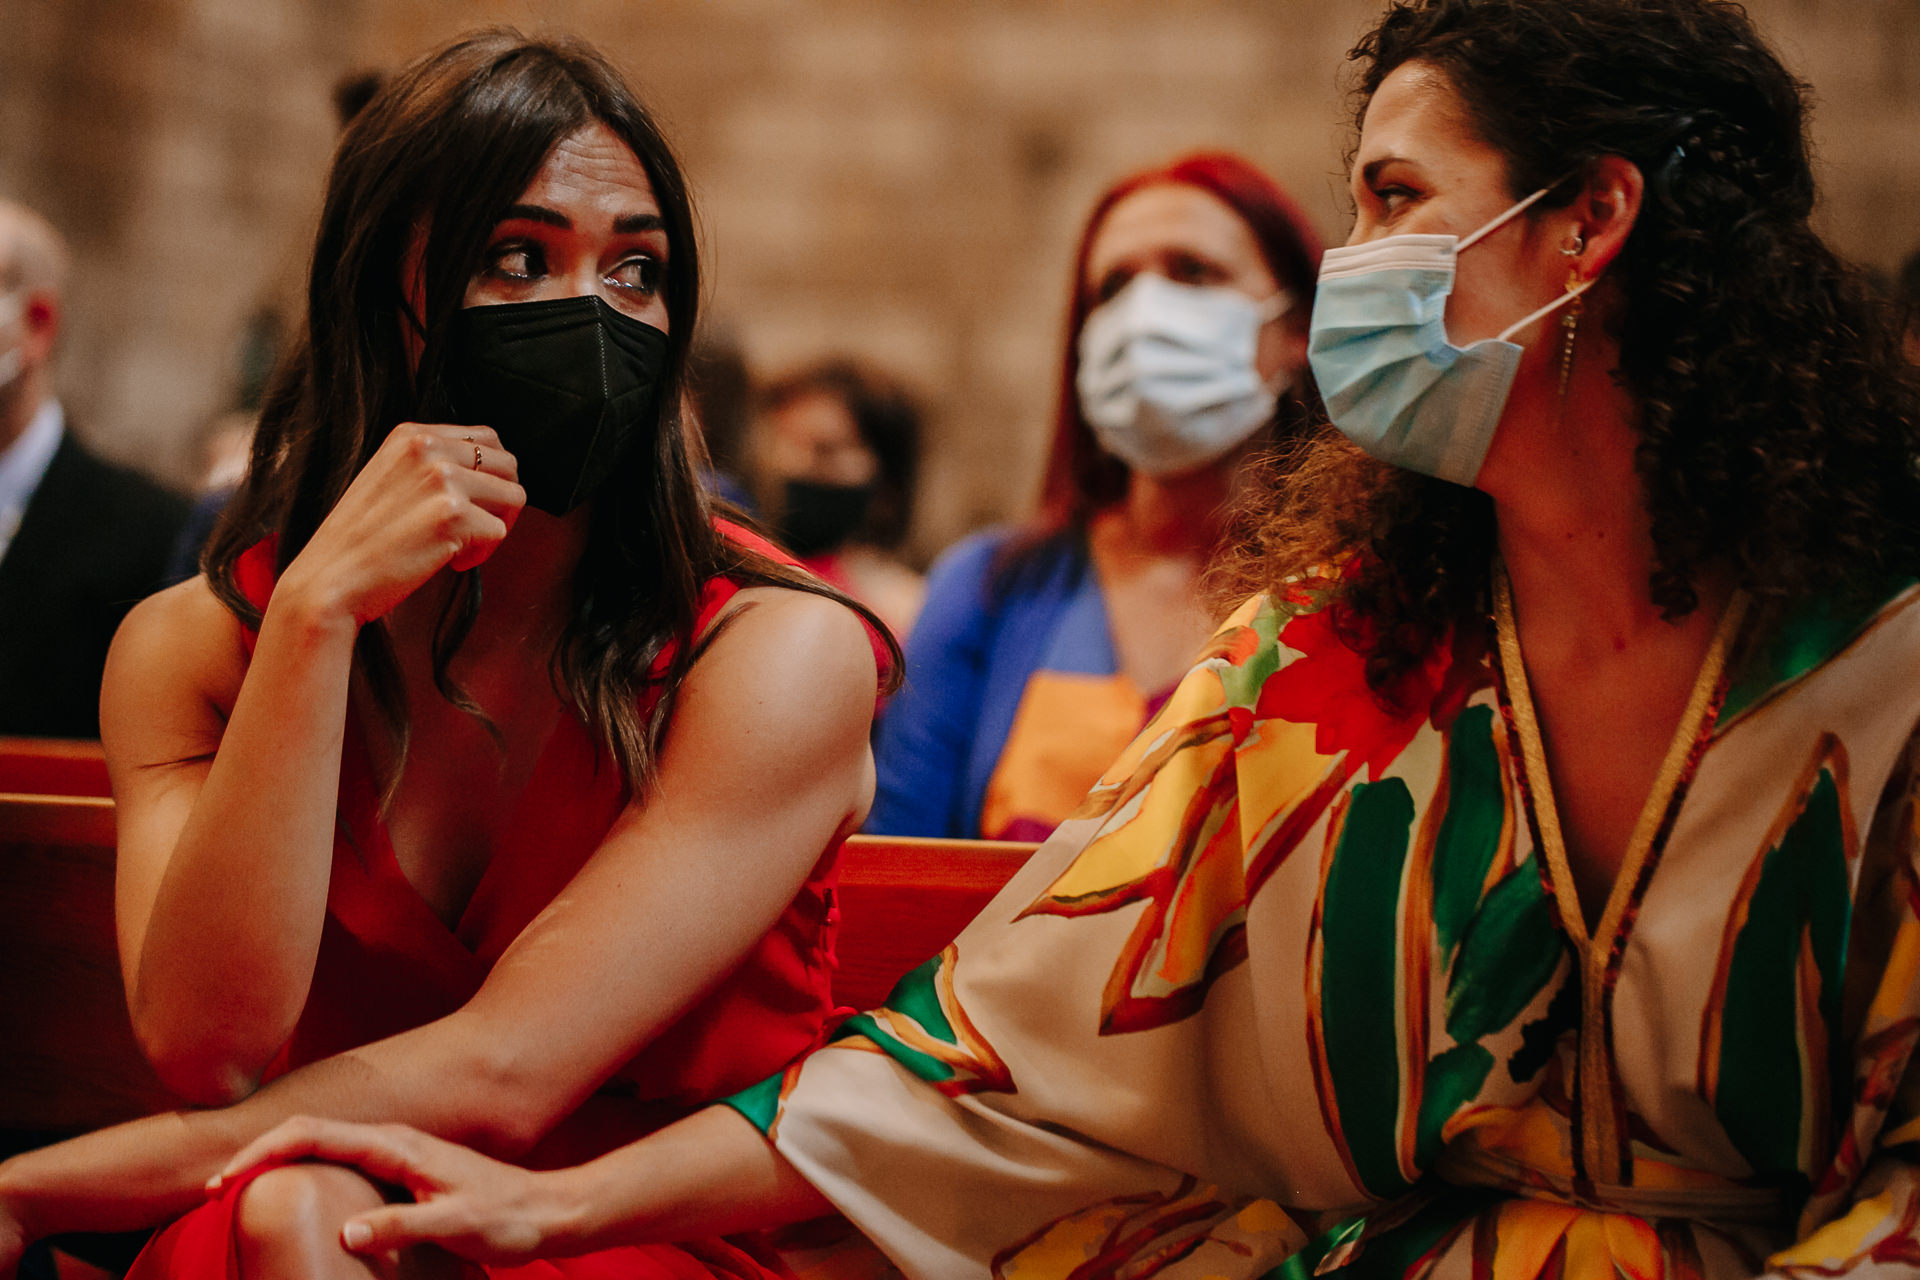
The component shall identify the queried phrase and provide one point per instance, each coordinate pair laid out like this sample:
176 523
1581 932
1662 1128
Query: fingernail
355 1234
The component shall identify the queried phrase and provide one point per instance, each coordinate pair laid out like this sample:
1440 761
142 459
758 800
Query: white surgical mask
13 358
1391 379
1168 380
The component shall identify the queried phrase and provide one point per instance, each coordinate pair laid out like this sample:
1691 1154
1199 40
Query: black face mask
816 518
569 385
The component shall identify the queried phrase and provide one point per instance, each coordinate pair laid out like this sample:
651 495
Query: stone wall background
895 179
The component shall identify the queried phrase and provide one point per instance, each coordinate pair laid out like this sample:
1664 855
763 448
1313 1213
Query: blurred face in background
812 437
1189 236
820 472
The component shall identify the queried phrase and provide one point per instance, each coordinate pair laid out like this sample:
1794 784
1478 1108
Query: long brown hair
1778 422
439 153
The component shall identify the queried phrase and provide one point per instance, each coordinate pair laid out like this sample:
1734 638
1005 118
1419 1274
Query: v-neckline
1695 721
1599 1137
386 858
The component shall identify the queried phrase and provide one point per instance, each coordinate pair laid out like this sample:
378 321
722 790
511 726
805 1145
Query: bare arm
226 773
765 762
710 1174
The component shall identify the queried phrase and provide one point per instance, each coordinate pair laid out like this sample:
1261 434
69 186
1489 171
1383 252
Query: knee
287 1223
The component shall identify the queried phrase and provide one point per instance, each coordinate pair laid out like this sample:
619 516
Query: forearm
227 953
710 1174
149 1171
124 1178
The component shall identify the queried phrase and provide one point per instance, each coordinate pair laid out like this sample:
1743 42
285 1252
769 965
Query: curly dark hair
1777 419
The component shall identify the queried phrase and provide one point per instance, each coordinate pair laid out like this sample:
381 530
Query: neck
18 405
1176 515
1574 530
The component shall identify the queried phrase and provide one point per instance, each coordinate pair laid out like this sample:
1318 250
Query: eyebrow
1370 172
627 224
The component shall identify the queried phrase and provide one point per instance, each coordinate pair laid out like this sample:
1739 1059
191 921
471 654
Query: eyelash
652 273
498 255
652 270
1388 194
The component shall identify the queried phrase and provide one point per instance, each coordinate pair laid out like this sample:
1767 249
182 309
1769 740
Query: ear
1605 211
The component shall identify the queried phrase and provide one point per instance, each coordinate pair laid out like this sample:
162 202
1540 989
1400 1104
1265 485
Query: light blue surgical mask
1391 380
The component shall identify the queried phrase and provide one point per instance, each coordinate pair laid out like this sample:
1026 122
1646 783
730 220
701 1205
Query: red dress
388 963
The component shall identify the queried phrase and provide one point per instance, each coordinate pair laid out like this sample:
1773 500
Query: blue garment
968 661
724 485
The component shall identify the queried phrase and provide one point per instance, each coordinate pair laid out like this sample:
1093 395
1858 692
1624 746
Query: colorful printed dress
388 963
1303 988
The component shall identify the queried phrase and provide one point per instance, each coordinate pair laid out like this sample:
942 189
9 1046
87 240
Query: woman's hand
479 1208
432 497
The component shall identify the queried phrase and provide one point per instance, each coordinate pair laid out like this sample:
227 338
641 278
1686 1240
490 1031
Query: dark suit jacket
93 541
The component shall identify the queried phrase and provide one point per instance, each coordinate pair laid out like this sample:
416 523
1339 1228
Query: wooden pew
67 1055
52 766
903 899
68 1060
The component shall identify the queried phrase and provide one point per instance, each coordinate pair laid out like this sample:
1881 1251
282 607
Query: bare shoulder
813 626
793 649
178 659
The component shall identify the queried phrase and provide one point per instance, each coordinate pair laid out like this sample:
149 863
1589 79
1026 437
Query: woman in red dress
539 867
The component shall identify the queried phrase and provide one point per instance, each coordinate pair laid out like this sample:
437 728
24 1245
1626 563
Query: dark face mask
816 518
569 385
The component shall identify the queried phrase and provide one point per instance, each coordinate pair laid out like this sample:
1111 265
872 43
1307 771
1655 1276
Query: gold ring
476 457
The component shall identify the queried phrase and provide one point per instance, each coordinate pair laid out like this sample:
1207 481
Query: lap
283 1220
309 1202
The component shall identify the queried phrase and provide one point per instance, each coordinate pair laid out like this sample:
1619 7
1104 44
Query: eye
1111 283
641 273
1187 268
1394 196
516 261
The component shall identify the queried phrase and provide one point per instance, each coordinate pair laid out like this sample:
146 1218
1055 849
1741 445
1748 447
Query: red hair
1081 477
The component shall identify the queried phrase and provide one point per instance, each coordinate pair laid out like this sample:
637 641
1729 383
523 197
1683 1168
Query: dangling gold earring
1570 318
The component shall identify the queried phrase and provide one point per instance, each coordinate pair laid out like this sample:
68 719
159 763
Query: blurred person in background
81 540
1043 648
225 443
840 455
720 400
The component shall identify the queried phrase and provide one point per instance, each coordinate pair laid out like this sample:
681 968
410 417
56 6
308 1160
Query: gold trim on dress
1597 1118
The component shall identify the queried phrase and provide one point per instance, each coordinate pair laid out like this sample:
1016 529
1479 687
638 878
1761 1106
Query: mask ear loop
1504 219
1551 307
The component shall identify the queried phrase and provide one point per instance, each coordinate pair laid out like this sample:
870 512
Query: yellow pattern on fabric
1835 1244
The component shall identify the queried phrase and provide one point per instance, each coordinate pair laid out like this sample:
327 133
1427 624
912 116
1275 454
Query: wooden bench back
68 1060
903 899
52 766
67 1055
